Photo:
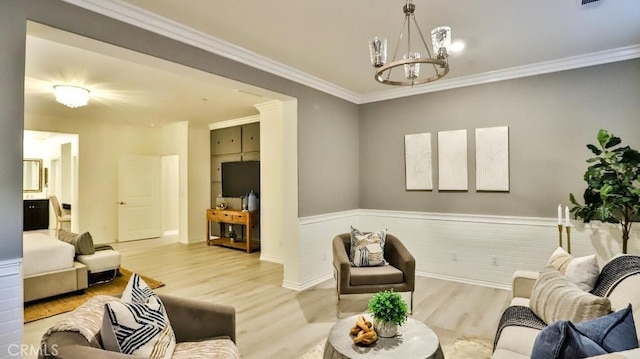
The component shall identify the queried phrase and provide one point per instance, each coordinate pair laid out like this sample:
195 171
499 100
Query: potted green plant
613 185
388 310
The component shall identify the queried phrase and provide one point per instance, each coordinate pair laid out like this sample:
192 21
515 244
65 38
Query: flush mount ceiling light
411 58
71 96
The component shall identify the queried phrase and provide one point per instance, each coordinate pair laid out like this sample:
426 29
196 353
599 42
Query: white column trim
269 105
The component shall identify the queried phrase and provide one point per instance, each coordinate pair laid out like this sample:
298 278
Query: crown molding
234 122
147 20
567 63
270 105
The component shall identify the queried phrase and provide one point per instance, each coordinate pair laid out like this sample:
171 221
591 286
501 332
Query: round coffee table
414 340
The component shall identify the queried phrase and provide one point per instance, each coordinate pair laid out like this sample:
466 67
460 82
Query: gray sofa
202 330
517 341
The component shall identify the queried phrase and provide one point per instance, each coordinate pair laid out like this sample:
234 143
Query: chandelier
71 96
411 59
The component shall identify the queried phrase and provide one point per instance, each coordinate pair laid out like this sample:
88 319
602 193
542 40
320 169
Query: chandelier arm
424 42
409 33
395 52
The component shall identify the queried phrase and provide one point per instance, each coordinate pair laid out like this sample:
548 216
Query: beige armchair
60 216
398 275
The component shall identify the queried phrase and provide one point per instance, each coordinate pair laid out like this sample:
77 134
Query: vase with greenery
388 310
613 185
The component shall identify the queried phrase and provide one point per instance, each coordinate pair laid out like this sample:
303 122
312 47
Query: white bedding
42 253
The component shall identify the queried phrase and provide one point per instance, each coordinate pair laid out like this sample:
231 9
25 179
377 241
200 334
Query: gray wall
328 156
12 27
550 117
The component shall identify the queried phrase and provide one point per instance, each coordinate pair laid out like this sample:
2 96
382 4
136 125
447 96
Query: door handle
121 203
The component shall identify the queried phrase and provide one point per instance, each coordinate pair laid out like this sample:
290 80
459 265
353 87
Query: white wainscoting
11 318
315 237
477 249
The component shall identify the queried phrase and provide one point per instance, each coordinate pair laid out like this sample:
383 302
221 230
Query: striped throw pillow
555 298
138 324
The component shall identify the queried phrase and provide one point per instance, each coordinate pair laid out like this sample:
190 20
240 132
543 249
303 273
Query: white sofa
516 342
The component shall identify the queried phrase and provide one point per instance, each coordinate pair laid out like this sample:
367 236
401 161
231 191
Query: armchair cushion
367 250
210 349
386 274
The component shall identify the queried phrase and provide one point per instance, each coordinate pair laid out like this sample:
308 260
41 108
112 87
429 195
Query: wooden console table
227 216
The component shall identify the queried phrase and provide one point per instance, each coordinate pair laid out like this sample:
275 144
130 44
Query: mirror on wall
31 175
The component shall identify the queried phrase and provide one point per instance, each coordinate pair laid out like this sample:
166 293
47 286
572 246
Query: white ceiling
328 39
324 41
126 86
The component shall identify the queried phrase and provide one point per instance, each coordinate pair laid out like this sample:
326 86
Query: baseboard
271 259
303 286
464 280
309 284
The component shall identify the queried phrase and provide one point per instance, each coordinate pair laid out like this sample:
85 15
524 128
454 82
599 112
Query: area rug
468 349
463 348
48 307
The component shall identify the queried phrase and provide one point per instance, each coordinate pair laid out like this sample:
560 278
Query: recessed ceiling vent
585 2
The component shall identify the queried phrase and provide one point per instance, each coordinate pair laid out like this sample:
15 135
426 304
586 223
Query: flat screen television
240 178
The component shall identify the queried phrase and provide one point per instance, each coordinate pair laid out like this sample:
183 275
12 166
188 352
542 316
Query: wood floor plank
275 322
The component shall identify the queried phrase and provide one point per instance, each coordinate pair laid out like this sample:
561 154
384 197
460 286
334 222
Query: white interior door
139 205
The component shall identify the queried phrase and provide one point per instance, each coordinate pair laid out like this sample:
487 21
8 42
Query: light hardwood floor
274 322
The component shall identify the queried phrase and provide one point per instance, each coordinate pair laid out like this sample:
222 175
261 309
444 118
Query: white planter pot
385 329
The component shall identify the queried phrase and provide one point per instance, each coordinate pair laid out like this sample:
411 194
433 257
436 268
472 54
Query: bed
49 268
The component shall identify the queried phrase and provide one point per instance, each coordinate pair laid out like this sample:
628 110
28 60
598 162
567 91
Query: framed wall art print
452 161
417 161
492 159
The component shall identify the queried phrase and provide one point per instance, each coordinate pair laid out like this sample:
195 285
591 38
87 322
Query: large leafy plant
388 306
613 185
